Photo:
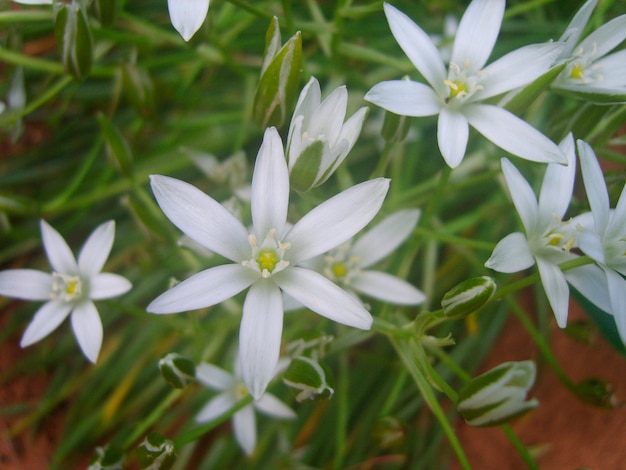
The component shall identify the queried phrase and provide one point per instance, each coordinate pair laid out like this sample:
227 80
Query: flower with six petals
69 289
267 259
456 94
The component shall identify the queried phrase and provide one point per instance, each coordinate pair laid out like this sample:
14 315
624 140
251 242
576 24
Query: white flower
548 240
232 391
603 237
347 265
318 139
266 260
70 288
590 69
187 15
456 94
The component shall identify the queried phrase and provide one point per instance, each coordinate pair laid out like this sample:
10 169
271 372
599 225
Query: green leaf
519 101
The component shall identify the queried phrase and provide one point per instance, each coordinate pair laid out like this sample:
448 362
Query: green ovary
578 72
267 260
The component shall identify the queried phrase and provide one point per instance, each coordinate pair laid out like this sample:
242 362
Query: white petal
555 287
522 195
613 69
328 117
213 376
477 33
348 137
605 38
187 15
590 281
336 220
388 288
404 97
272 406
617 221
517 69
59 254
201 217
385 237
87 328
208 287
308 101
46 319
270 186
27 284
512 134
452 135
590 243
259 336
107 285
216 407
576 27
34 2
418 47
319 294
511 254
595 186
617 294
244 426
96 249
558 183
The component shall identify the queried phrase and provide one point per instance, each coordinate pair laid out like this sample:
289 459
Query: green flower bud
156 453
73 38
138 87
467 297
499 395
395 127
280 78
177 370
596 392
106 11
107 458
310 377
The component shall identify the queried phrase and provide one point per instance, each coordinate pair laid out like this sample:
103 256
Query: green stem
15 16
50 93
29 62
452 239
430 373
341 428
383 161
541 342
520 447
408 359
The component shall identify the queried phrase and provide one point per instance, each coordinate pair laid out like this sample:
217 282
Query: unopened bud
467 297
73 38
499 395
177 370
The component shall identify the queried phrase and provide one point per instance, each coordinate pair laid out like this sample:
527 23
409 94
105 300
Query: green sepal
596 392
278 85
156 453
73 38
272 43
304 173
309 378
467 297
519 101
177 370
117 146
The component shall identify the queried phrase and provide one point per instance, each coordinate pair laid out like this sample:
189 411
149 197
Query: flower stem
520 447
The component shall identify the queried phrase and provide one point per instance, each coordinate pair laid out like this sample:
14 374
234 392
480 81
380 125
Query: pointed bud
499 395
395 127
177 370
280 77
156 453
467 297
106 11
117 146
310 378
596 392
73 38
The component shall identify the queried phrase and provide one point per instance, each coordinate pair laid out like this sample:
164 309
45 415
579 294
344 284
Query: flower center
65 287
340 266
462 83
241 391
583 69
268 257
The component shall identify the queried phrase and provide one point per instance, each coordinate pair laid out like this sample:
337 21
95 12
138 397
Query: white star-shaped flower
70 288
548 239
232 391
456 94
267 259
348 264
592 71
